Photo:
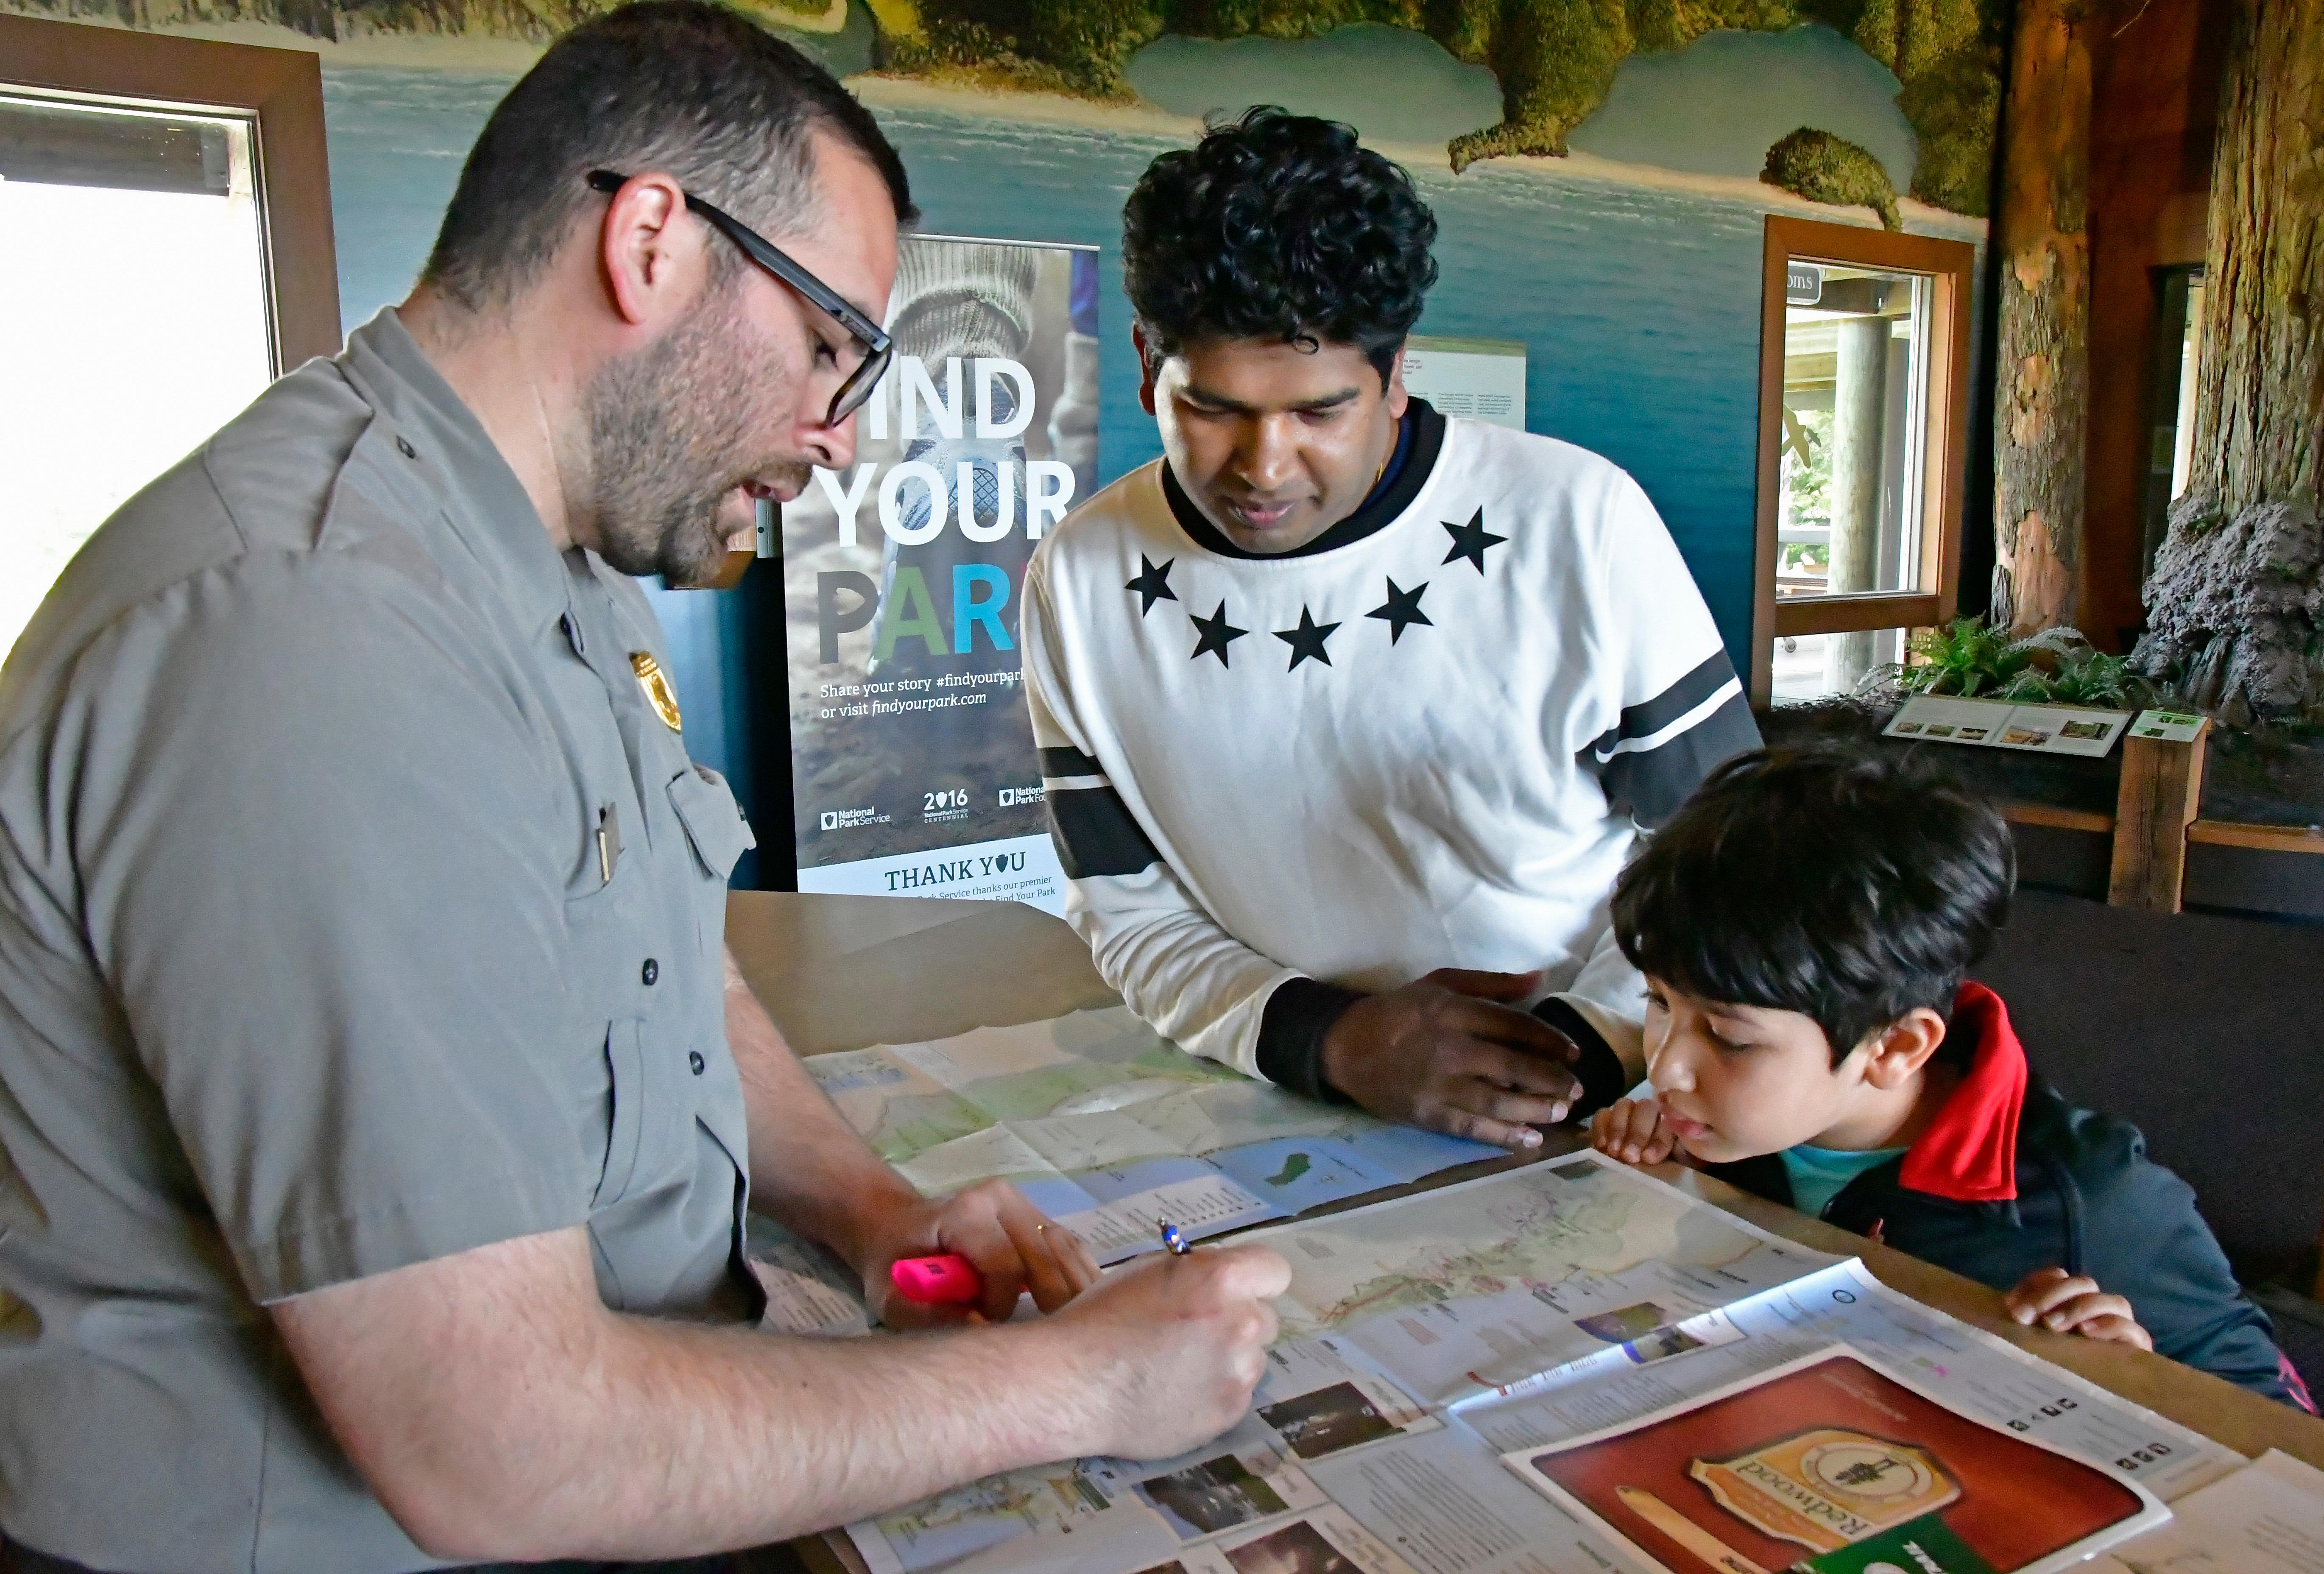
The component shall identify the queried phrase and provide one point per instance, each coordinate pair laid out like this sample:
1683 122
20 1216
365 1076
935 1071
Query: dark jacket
2010 1178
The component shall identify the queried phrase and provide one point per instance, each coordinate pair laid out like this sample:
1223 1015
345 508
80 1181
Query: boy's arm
2150 1245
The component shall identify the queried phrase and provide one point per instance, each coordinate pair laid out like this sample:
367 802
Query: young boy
1805 923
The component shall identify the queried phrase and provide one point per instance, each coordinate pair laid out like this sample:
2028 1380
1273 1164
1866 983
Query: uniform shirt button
403 447
694 1060
650 971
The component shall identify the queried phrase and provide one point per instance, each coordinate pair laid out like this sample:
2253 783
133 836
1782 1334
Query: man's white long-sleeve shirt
1427 738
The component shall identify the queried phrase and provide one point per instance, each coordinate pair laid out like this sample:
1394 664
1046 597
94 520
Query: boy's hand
1633 1131
2072 1303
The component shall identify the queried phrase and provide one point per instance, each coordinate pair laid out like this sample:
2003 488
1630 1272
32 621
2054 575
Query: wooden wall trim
281 91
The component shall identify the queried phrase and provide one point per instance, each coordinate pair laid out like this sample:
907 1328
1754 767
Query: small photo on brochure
1226 1491
1328 1542
1834 1465
1327 1421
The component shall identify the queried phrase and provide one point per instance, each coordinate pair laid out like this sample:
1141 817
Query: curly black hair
1826 880
1278 227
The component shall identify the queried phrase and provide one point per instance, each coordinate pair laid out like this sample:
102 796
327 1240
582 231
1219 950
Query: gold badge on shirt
656 683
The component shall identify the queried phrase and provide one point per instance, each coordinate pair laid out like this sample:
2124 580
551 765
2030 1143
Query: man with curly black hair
1349 713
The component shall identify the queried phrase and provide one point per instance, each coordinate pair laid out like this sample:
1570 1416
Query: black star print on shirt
1307 639
1152 583
1471 540
1217 635
1402 611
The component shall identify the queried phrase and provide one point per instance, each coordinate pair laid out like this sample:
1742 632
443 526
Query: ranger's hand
1452 1053
1015 1247
2066 1303
1632 1131
1172 1347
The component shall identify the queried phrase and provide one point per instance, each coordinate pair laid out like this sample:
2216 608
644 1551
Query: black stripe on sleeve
1096 833
1651 783
1069 762
1650 717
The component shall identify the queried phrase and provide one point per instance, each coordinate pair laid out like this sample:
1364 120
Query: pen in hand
1173 1238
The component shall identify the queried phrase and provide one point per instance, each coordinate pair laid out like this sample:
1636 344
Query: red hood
1969 1152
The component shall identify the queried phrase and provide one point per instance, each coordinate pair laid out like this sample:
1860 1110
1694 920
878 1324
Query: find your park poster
913 771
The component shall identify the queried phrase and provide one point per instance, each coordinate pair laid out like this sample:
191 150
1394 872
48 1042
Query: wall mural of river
1628 263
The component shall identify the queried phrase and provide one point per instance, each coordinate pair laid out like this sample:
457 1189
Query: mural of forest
1556 61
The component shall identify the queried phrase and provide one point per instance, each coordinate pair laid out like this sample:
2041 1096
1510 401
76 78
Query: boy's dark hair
690 89
1849 887
1277 226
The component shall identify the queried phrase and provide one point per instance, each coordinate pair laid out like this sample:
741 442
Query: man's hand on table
1015 1249
1175 1347
1454 1053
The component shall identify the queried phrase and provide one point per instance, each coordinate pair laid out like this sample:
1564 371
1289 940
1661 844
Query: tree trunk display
2237 599
2043 405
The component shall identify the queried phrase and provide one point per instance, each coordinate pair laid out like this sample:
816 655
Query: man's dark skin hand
1454 1053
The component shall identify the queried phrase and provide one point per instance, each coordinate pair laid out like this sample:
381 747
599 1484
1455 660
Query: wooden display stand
2162 791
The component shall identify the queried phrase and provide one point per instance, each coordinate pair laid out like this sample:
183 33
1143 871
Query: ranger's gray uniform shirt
309 966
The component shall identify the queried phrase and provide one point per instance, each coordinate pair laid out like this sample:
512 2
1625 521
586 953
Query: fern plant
1969 656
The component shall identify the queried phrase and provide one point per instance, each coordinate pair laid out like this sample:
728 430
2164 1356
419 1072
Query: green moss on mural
1824 167
1555 58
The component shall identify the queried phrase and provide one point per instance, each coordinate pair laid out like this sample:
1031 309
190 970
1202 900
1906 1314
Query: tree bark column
2042 409
2259 403
1860 403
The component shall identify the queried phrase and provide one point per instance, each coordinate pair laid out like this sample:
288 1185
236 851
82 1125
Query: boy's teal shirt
1818 1174
2010 1178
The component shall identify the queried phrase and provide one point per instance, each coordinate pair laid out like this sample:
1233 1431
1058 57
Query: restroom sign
1803 284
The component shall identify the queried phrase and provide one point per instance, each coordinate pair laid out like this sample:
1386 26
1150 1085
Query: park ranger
378 1104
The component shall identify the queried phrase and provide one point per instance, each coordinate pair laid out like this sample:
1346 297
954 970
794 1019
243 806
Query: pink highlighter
940 1280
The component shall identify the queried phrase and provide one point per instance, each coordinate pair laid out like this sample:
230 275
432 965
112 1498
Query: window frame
279 91
1949 266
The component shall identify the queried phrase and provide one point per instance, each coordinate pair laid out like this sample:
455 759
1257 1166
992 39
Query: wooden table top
839 972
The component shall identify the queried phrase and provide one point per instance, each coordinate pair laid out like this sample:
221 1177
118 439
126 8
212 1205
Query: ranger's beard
674 430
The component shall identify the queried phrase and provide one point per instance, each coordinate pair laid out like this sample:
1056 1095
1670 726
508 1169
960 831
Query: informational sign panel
1999 725
913 771
1482 378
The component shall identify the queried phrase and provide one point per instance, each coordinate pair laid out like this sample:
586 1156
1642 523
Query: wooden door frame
1948 265
279 91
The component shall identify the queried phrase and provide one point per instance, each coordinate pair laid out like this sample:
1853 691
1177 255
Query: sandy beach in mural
475 53
1057 109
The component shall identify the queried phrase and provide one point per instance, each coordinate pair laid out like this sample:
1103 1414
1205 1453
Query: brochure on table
1999 725
1530 1313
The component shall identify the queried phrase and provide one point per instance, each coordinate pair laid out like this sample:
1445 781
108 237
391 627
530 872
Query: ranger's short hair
695 90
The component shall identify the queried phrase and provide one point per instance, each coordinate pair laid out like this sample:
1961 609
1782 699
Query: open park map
1425 1337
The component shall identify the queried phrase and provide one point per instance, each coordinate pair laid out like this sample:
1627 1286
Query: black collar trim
1424 429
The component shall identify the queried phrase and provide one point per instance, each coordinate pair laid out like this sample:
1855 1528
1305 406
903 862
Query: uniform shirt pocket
713 821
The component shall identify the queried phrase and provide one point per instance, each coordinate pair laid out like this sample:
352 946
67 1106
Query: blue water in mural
1639 308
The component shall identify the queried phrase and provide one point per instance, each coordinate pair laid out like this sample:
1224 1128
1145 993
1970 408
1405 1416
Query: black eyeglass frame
879 349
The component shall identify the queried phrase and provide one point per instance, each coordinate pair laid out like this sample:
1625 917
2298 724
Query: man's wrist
1298 1018
1596 1066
